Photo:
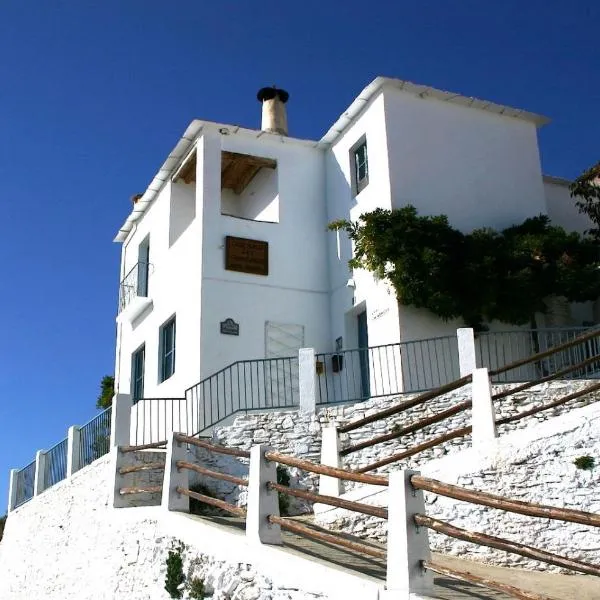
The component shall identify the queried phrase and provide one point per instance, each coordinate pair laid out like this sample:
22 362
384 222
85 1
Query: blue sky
93 95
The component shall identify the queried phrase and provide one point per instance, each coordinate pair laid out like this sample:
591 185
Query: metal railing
25 483
134 284
94 440
497 348
266 383
358 374
56 464
153 419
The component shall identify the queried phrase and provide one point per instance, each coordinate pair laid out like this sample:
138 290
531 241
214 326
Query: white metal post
483 414
307 380
407 544
40 473
330 456
12 489
262 501
174 477
120 420
73 450
466 350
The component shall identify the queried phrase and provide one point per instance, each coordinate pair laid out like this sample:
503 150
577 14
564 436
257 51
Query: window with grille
360 166
167 350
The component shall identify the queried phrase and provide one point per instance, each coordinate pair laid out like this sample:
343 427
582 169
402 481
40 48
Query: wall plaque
230 327
246 256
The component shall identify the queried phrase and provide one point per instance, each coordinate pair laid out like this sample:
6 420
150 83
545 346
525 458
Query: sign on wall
246 256
230 327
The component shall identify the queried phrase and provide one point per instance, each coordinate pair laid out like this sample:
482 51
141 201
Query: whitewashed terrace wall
535 465
299 434
69 543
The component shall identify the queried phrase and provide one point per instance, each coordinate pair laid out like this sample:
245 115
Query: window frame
138 377
358 185
165 352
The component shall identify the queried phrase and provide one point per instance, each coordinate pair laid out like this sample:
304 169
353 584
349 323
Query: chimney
274 117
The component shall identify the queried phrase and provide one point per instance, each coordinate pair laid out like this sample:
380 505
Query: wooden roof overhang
237 170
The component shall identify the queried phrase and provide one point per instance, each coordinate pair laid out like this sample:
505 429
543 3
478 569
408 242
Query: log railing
507 504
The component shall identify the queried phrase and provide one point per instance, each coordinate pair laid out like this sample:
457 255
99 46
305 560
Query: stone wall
536 465
69 543
299 434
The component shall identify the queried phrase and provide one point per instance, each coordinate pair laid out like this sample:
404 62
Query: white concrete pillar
483 413
330 456
175 477
40 473
262 501
407 544
466 350
73 450
12 489
120 420
308 380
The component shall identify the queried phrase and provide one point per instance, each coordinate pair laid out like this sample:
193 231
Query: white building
226 257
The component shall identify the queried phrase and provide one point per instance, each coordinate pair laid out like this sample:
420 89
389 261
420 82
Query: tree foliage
479 277
107 391
2 524
586 188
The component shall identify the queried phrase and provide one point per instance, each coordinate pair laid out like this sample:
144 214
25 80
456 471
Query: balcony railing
134 284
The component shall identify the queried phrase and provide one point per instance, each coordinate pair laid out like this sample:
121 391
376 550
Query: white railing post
73 450
330 456
307 380
120 420
467 359
407 544
262 501
12 489
174 477
39 484
483 414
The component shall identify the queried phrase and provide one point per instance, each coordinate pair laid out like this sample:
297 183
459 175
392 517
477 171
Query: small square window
360 166
138 360
167 350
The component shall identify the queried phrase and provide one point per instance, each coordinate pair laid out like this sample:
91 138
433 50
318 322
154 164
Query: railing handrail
28 466
237 362
595 332
393 344
55 446
135 266
98 416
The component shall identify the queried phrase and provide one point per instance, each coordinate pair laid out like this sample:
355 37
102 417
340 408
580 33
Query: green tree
586 188
107 391
2 525
478 277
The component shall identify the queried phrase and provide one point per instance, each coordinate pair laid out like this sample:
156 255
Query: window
138 360
167 350
143 265
360 166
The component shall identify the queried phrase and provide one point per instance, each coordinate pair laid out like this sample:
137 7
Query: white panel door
282 342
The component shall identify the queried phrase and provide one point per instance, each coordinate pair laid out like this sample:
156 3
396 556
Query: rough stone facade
68 543
299 434
535 466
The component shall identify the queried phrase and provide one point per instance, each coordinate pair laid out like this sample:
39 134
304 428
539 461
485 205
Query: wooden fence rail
186 439
483 539
529 509
312 467
325 537
181 464
483 581
236 510
412 428
394 410
551 377
539 355
367 509
153 445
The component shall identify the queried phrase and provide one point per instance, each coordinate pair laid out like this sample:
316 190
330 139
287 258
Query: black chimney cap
268 93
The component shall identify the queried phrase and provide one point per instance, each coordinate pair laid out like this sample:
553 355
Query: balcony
133 292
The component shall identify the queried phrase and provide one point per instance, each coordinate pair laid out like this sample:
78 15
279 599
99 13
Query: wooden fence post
262 501
330 457
407 544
